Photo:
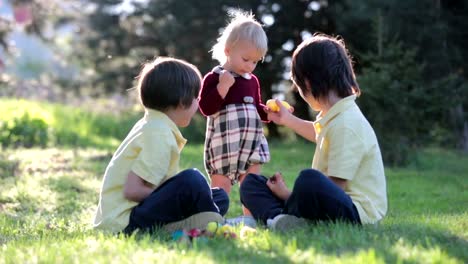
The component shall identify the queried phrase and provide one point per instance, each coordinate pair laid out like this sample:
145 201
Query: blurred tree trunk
267 93
461 126
465 136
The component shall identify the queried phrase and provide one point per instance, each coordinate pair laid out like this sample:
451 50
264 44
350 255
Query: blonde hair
242 26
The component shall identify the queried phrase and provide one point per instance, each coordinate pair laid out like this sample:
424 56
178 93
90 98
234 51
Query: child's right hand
279 117
273 106
226 80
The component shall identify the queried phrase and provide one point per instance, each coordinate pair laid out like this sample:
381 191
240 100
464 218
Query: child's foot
284 222
198 221
243 219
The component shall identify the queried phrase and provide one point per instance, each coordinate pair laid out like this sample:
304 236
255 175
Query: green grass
48 198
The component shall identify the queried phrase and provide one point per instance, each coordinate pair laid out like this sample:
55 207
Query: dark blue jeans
314 197
181 196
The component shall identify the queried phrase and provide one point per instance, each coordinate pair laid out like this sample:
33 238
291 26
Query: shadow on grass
393 243
219 249
405 237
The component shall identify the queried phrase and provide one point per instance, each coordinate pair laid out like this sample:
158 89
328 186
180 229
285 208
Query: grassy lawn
48 197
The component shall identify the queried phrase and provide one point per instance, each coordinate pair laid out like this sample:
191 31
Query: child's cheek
193 108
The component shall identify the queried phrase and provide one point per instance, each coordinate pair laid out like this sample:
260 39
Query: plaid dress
234 140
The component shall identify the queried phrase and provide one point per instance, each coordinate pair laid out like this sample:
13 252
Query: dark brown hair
324 63
167 83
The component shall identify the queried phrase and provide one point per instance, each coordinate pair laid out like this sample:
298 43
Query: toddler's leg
316 197
254 169
221 181
258 198
180 197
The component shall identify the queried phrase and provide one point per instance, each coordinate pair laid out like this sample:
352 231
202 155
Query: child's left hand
278 186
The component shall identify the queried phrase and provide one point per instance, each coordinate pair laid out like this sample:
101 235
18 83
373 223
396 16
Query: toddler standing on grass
347 180
230 97
142 186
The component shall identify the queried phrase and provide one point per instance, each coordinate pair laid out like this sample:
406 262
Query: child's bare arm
286 118
302 127
136 189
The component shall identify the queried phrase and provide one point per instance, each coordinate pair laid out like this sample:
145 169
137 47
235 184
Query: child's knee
253 179
192 177
219 194
252 182
193 172
309 179
221 199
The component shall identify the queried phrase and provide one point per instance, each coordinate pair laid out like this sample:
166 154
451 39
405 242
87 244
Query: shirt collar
218 69
336 109
151 114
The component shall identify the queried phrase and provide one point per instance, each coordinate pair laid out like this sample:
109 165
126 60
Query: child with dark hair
142 186
347 180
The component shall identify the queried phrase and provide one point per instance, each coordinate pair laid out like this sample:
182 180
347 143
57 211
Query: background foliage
410 56
27 124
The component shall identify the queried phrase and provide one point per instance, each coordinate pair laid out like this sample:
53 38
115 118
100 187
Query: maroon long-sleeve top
210 101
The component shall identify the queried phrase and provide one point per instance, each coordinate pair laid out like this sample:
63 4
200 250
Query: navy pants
182 196
314 197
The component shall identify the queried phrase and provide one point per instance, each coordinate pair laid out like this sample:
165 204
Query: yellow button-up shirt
347 148
151 150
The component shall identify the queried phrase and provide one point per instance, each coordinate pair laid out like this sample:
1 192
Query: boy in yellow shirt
142 186
347 180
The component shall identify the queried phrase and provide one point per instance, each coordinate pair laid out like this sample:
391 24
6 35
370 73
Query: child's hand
279 117
271 104
278 186
226 80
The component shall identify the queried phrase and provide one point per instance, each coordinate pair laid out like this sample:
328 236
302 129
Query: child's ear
308 86
307 83
226 51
